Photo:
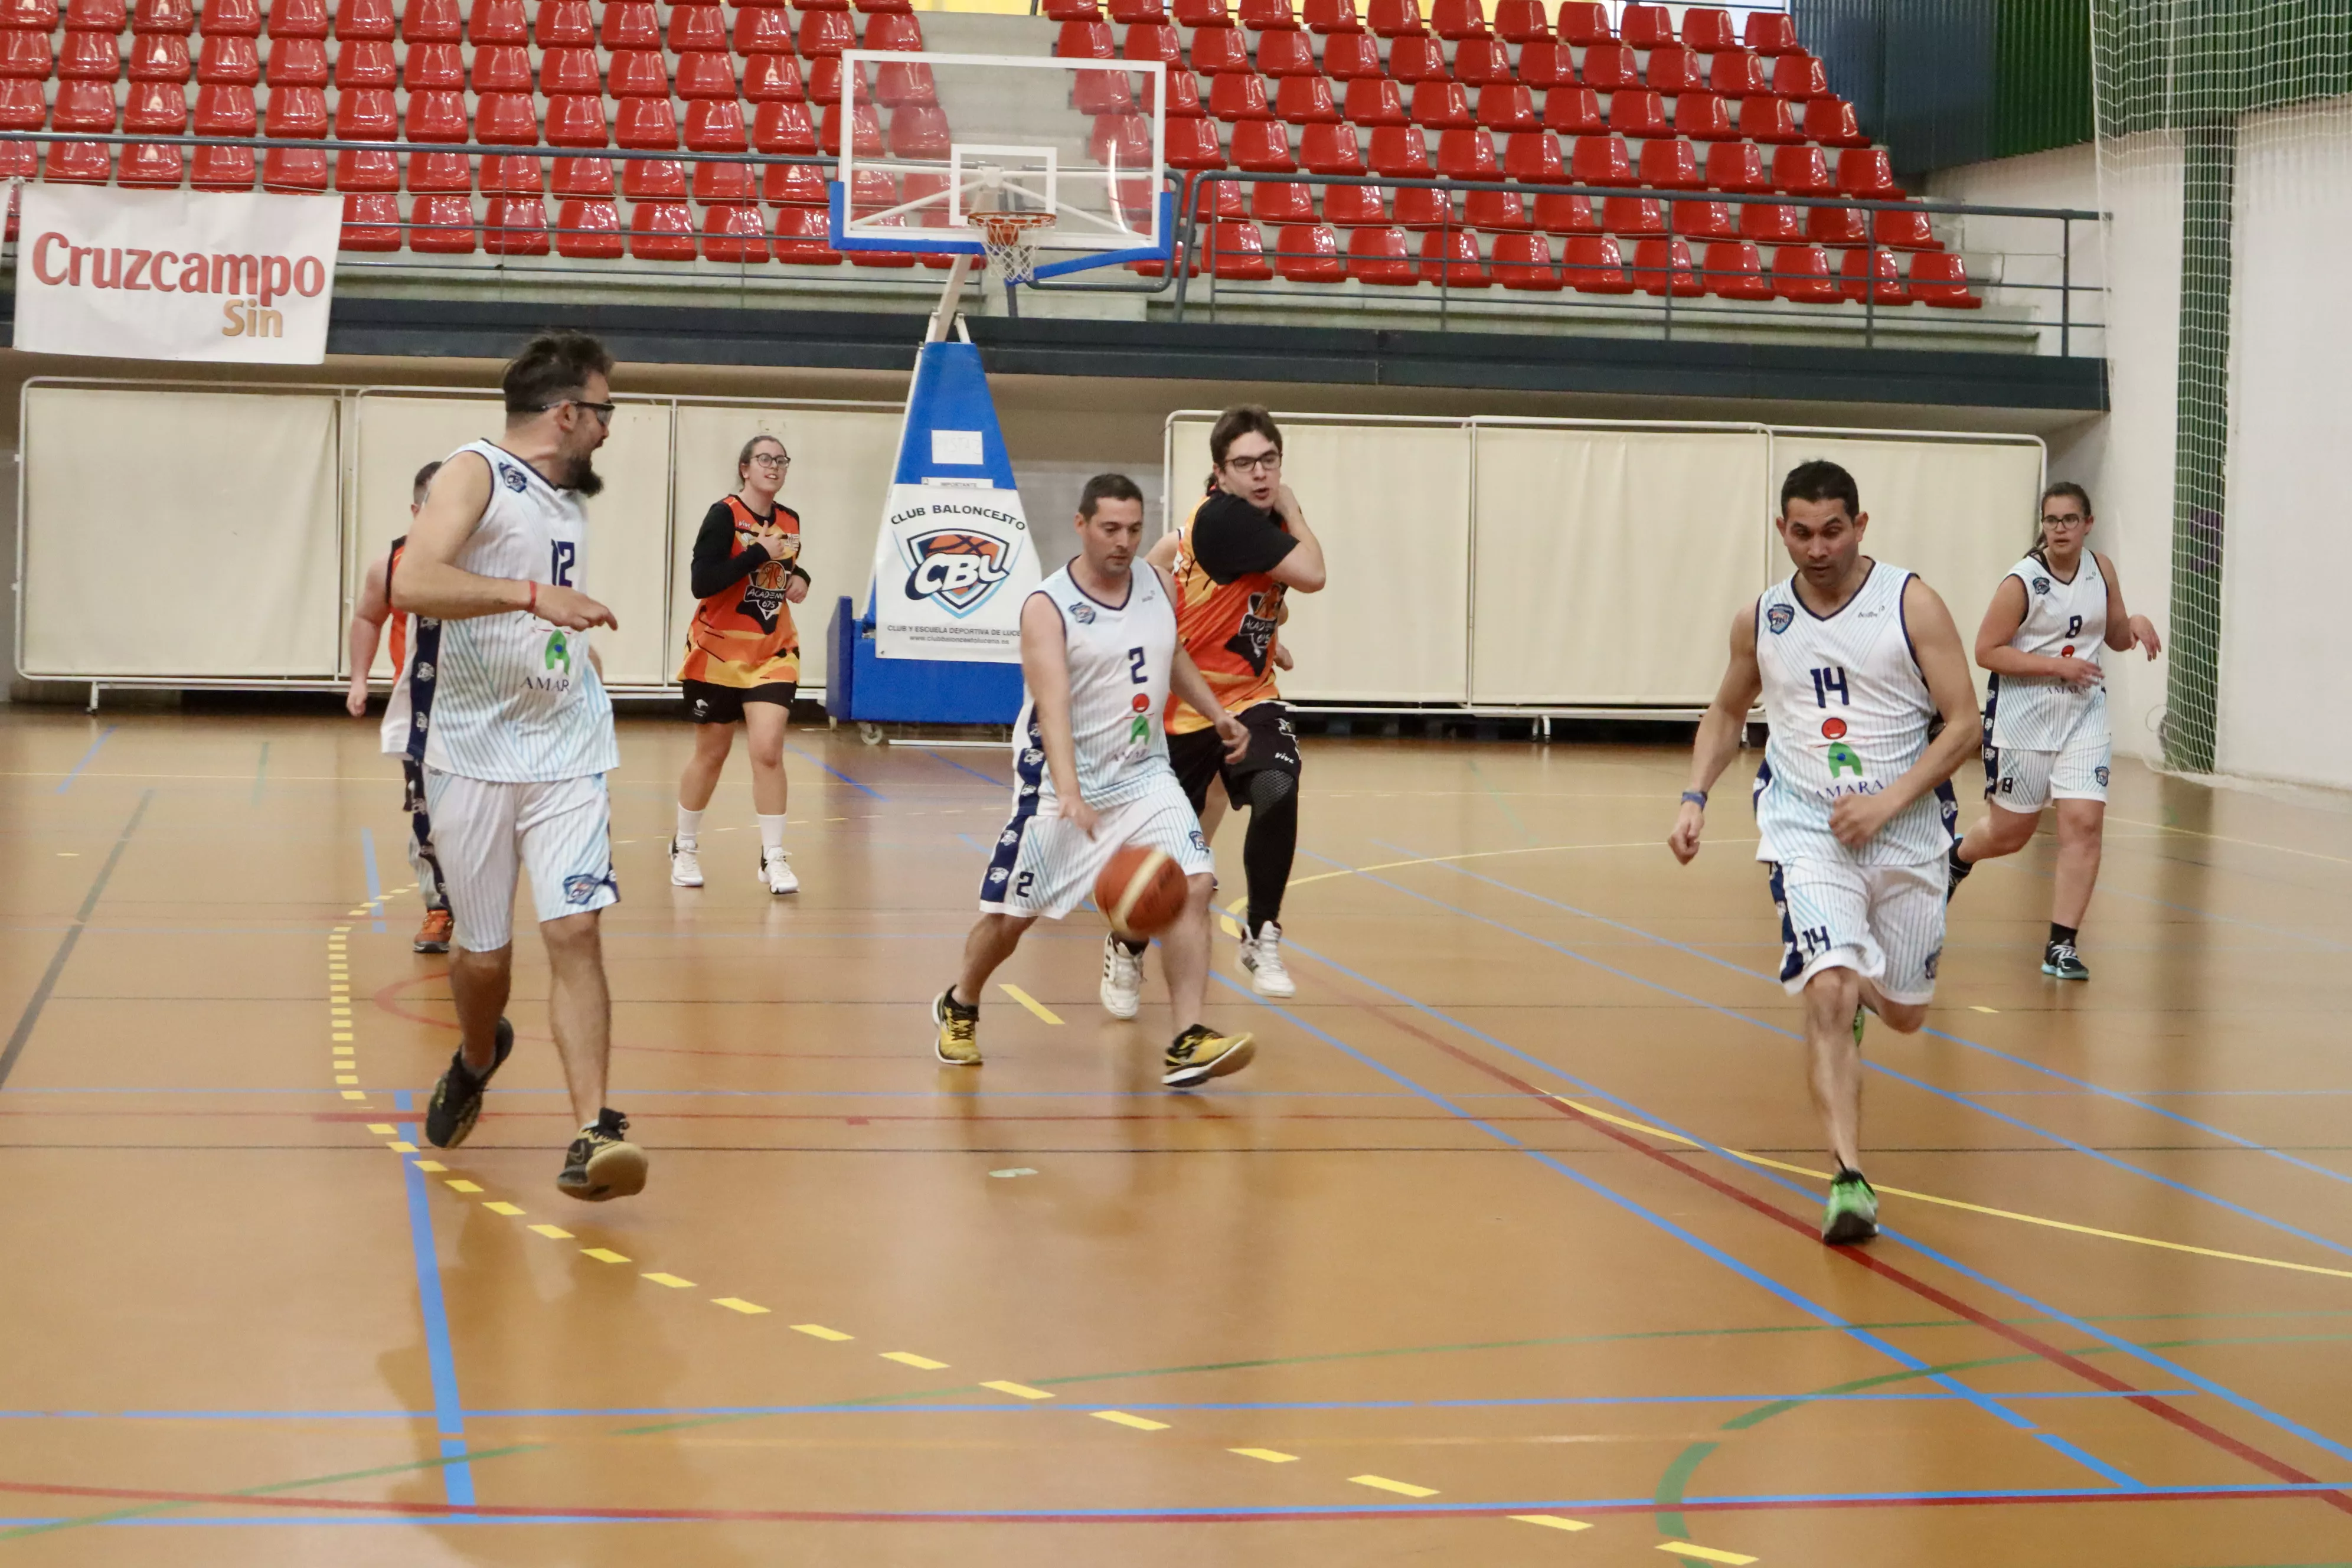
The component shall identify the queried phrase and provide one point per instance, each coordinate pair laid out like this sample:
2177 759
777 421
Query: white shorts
2022 781
1043 866
561 831
1884 923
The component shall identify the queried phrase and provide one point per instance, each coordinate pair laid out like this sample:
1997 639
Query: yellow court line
1018 1390
1550 1522
431 1167
2224 838
672 1280
459 1185
1271 1456
509 1210
1402 1489
2043 1221
1487 854
602 1254
1028 1001
1121 1419
737 1304
1702 1554
908 1358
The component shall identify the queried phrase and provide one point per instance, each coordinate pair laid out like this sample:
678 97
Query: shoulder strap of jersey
745 518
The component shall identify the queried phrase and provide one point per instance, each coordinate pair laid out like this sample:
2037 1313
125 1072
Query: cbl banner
184 274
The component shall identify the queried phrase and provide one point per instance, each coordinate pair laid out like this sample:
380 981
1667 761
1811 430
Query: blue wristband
1697 797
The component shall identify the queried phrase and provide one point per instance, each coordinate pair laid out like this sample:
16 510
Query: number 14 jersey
1849 711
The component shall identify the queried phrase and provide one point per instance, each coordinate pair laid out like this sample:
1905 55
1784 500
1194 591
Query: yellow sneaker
959 1026
1200 1054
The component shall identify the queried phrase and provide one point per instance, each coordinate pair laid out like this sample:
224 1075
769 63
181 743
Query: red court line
2097 1378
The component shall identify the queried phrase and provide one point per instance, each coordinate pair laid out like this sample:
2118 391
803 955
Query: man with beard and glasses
515 733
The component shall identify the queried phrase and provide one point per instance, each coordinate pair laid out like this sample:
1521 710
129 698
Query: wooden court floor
1502 1253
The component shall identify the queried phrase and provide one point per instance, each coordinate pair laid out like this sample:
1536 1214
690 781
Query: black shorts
708 704
1199 756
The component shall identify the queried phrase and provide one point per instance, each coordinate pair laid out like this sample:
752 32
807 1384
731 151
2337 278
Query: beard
583 479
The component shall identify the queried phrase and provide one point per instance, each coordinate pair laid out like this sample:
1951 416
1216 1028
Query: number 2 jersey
1120 659
509 698
1849 712
2063 620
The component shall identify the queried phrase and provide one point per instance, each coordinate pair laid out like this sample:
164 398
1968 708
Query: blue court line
1787 1294
1963 1097
65 783
448 1410
836 773
951 762
1869 1063
2080 1325
374 883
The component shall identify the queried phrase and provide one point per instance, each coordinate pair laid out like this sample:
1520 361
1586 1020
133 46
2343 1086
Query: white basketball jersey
1849 711
509 698
2063 620
1120 658
399 714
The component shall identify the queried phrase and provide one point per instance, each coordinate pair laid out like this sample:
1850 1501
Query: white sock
772 832
690 826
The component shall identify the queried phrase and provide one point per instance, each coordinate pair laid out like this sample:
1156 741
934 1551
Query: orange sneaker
432 936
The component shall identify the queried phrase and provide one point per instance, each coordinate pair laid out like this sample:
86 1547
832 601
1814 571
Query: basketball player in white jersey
510 719
1855 659
1098 657
368 615
2046 739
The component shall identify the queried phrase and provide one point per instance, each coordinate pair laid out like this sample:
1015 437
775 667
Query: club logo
579 890
957 568
1833 729
1010 837
511 477
1933 959
1843 760
425 670
1083 613
1140 703
1779 618
2066 652
1199 841
2041 584
2100 774
998 873
1033 756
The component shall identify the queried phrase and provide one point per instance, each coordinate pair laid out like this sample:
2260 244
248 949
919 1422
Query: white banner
952 566
190 275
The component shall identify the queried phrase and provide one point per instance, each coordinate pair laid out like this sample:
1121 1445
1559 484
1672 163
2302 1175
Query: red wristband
533 606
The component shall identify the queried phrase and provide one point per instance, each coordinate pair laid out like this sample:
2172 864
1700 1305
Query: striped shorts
560 832
1884 923
1043 866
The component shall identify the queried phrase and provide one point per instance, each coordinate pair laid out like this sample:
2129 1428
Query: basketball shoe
602 1163
432 936
959 1026
1262 956
1200 1054
685 864
1122 979
1853 1213
2060 961
1956 871
457 1100
776 872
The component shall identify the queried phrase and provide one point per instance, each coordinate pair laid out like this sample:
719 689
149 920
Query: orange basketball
1141 890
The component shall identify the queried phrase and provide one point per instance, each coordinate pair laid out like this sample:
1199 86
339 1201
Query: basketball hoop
1011 241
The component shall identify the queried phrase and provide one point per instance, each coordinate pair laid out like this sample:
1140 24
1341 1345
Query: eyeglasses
771 460
1264 463
2070 519
602 411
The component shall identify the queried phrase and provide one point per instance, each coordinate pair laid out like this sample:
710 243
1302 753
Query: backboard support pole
944 320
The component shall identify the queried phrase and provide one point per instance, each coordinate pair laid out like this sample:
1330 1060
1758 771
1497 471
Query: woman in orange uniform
742 657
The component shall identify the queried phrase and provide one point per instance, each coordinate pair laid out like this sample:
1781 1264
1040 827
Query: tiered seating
1435 89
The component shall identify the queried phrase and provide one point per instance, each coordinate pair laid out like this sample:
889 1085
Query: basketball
1142 891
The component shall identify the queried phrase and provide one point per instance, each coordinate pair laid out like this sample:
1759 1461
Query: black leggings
1271 843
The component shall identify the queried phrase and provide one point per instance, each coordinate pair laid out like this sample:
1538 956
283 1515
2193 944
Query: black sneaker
458 1098
1956 871
602 1163
2060 961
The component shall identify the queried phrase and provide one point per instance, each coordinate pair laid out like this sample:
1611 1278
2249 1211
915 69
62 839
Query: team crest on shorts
1933 959
2100 774
1199 841
579 888
511 477
1779 618
1084 613
998 873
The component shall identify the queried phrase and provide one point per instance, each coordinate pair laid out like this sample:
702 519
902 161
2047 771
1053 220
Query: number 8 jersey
1849 710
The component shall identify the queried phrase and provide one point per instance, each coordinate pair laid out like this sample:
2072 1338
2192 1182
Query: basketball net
1011 241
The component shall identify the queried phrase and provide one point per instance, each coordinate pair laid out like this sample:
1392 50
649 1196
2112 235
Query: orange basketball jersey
1229 629
743 635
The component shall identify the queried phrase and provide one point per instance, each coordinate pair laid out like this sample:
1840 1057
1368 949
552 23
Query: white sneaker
776 871
1122 981
1262 956
684 865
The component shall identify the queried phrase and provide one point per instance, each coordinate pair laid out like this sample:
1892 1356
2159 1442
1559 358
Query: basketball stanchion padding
1141 890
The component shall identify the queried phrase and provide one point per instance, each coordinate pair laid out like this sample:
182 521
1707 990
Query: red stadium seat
442 225
1609 66
1349 55
241 18
763 30
1644 27
1836 226
1633 216
1600 161
825 80
1237 252
1768 223
1306 101
1524 261
1086 40
634 24
1123 139
1574 111
732 231
420 21
162 56
515 226
439 173
1453 20
1638 113
1154 42
706 74
1421 208
1467 155
1450 257
1374 101
1767 120
1217 50
1521 21
1400 152
1831 122
497 67
637 73
1671 165
1128 13
226 60
650 125
584 177
1333 16
1534 156
1215 199
1330 150
1566 215
1737 167
1865 173
1799 77
1065 10
1239 96
1708 29
491 22
1260 15
1738 73
1184 95
159 17
575 121
1661 265
698 28
1802 171
433 67
1191 144
1674 69
1394 18
1281 202
1381 256
1481 60
89 106
502 118
900 83
1505 106
1701 117
776 79
159 106
865 135
1441 106
1546 64
371 221
1263 146
1938 279
1875 273
661 231
794 185
1496 211
148 167
1592 265
367 172
366 63
94 15
1702 220
1308 253
823 33
366 20
1903 230
98 56
802 239
564 25
1735 271
1201 13
1802 272
1289 53
1355 206
515 177
1418 58
725 182
716 125
1772 33
1582 22
366 114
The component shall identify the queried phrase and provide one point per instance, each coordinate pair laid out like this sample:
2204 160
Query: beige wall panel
840 478
1958 513
250 540
1611 561
1391 505
628 524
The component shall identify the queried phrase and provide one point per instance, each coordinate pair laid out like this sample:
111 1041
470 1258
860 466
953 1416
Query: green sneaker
1853 1213
1857 1023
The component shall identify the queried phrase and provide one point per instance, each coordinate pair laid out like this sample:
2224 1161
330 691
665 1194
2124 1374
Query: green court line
148 1509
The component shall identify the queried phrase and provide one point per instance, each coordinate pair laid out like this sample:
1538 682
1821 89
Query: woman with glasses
742 657
2046 739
